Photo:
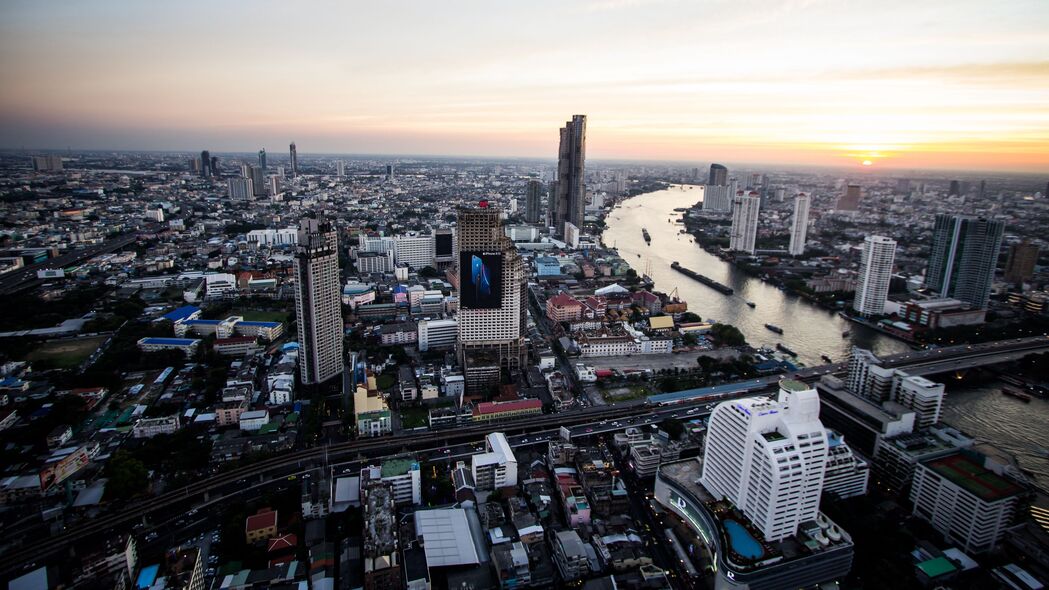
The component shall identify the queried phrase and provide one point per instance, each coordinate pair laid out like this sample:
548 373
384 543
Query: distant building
51 163
240 189
850 201
799 225
294 159
964 257
875 275
570 192
533 201
718 175
744 231
1020 265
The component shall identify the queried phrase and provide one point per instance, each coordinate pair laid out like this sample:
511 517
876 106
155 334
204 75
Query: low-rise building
260 526
487 411
150 427
187 346
254 420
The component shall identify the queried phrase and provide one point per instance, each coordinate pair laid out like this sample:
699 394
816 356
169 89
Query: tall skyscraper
294 159
955 190
262 159
744 232
963 258
318 301
718 175
340 168
533 198
571 186
258 180
768 458
491 297
850 201
205 164
389 172
875 274
717 198
799 228
1021 262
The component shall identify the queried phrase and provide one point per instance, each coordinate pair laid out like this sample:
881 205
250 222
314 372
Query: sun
868 163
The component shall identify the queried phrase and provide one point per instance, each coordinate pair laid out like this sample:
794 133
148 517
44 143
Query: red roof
281 543
497 407
563 300
265 519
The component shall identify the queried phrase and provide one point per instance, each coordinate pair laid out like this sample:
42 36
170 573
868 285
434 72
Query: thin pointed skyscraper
294 160
570 198
262 159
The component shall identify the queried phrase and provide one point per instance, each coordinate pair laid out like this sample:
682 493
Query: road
529 430
25 278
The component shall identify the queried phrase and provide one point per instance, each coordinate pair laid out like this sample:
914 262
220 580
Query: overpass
684 404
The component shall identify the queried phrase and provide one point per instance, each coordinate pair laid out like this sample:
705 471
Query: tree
727 335
127 476
428 272
672 427
689 318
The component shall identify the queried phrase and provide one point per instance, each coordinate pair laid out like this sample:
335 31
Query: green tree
688 317
127 476
727 334
428 272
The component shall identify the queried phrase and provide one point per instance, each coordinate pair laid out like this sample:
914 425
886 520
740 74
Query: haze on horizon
937 84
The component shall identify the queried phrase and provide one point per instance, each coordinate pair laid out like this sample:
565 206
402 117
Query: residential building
1020 264
846 474
294 159
969 504
414 250
743 233
875 275
253 420
570 555
799 225
964 257
496 468
401 474
718 175
850 201
150 427
318 303
260 526
533 201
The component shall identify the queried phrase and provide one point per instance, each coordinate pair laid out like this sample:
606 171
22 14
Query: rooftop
398 466
446 537
974 478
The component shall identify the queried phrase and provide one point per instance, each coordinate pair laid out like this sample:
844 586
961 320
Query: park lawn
622 394
66 354
254 315
414 418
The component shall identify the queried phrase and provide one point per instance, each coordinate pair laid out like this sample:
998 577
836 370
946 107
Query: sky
936 84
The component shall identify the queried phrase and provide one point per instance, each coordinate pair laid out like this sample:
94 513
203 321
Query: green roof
269 427
792 385
935 568
396 467
965 473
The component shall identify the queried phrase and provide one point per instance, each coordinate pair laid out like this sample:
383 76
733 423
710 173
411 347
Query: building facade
570 192
876 261
318 302
963 258
744 231
799 226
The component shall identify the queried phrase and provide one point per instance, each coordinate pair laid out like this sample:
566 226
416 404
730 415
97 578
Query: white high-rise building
799 229
921 395
846 475
415 251
340 168
717 198
768 457
497 467
875 275
744 232
241 188
318 301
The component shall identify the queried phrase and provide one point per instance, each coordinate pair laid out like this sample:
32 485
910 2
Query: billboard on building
443 245
480 280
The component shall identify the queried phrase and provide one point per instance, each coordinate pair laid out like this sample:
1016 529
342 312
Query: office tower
875 274
205 164
491 297
318 301
955 190
963 258
389 172
215 170
444 246
800 226
768 457
744 231
571 188
1021 262
240 188
850 201
718 175
533 196
983 189
262 159
415 251
47 163
294 160
275 187
258 181
340 168
903 186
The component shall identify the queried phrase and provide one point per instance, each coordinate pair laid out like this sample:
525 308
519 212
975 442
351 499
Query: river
979 410
807 329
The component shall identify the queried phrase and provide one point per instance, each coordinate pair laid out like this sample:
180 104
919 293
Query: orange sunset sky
934 84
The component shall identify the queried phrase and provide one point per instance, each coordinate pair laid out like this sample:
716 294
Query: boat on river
648 238
774 328
720 288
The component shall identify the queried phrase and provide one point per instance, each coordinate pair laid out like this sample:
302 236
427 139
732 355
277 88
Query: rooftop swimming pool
742 541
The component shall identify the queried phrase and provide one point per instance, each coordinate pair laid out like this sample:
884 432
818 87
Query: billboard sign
480 280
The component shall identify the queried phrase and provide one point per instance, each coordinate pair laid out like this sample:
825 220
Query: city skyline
931 87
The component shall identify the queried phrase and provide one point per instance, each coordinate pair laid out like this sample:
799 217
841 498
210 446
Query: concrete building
1020 264
533 201
718 198
969 504
401 474
570 187
964 257
415 251
496 468
875 275
436 334
718 175
850 201
382 565
570 555
187 346
150 427
846 475
768 457
799 226
318 303
744 231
